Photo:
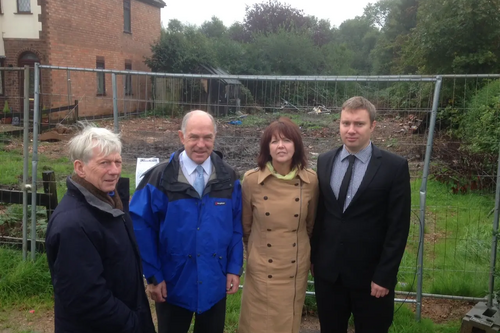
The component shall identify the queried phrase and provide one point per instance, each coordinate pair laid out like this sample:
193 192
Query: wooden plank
17 242
16 197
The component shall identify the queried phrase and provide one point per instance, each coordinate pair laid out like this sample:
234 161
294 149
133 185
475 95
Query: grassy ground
26 297
457 247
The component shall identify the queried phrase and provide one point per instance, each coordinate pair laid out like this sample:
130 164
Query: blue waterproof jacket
188 241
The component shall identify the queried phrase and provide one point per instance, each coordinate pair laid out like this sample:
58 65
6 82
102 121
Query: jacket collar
92 199
221 171
263 174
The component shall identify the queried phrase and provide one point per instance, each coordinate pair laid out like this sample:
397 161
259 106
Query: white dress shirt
188 167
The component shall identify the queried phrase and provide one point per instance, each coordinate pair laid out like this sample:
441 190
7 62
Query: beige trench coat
278 218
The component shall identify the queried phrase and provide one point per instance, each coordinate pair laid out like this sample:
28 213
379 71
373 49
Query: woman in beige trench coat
279 207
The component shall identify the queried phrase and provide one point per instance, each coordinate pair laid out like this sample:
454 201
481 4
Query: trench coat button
267 214
220 257
265 198
296 199
198 228
268 245
293 261
296 184
291 276
270 260
189 256
294 230
269 276
294 244
296 215
268 229
214 254
201 282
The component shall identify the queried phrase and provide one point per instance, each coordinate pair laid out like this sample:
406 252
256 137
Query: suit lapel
371 170
327 187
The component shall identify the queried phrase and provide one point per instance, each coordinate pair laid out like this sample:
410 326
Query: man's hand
378 291
232 283
157 293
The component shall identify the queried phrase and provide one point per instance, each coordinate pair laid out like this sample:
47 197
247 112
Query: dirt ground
156 137
42 320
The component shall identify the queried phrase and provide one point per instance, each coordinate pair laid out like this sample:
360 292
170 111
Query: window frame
23 11
128 80
127 16
100 64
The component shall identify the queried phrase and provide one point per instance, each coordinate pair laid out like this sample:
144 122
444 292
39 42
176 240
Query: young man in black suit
361 227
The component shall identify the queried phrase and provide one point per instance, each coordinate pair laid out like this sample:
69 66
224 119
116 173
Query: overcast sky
230 11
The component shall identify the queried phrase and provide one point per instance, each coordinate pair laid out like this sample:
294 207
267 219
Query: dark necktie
345 182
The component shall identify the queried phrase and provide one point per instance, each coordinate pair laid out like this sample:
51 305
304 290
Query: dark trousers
174 319
336 303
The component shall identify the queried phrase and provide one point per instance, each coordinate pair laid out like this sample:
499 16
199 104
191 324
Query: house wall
24 26
21 33
80 32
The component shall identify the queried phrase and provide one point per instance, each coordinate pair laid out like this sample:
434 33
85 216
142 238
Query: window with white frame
24 6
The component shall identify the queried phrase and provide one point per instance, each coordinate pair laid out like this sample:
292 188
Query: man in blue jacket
187 220
91 249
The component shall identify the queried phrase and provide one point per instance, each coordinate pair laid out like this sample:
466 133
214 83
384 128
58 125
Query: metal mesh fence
458 199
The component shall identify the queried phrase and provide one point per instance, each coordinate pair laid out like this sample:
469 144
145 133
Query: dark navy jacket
95 267
188 241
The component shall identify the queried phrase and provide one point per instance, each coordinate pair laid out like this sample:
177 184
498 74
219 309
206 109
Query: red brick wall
81 31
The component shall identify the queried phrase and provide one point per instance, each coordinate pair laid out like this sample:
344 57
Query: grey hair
81 145
360 103
188 115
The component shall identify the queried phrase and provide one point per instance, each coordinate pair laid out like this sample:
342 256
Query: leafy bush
480 126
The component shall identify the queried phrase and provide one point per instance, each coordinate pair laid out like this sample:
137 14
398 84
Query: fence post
494 242
115 103
50 188
68 80
34 162
76 111
26 118
423 195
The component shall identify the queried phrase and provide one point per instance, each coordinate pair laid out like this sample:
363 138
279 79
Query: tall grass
23 282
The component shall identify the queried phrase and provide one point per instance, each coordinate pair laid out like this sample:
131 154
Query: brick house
110 34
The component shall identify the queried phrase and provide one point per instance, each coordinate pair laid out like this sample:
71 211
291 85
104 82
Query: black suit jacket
367 241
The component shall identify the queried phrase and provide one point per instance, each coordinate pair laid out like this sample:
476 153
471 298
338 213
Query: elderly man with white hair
93 256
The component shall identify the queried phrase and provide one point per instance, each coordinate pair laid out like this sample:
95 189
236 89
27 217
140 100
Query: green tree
181 49
271 16
455 36
360 36
396 19
214 28
285 53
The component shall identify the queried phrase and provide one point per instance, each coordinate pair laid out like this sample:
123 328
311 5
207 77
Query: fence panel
459 206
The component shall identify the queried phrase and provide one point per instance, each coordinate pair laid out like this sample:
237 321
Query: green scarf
289 176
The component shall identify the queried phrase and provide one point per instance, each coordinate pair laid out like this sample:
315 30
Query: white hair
81 146
188 115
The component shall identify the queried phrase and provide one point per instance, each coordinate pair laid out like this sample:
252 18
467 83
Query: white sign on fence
143 165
